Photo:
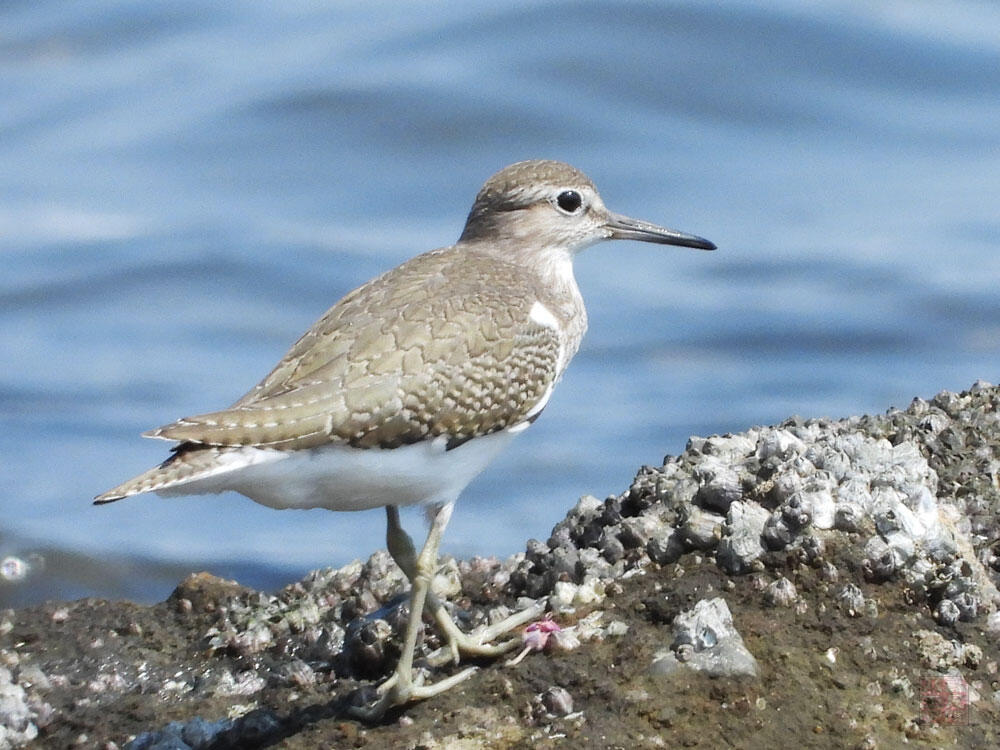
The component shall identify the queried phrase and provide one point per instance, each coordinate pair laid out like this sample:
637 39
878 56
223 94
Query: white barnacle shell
830 459
706 640
817 499
851 600
561 598
847 517
896 523
778 443
947 612
880 560
720 484
730 448
702 529
781 593
591 591
925 507
557 701
856 490
913 465
785 484
741 542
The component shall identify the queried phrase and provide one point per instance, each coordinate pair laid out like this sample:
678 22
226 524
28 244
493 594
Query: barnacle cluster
912 495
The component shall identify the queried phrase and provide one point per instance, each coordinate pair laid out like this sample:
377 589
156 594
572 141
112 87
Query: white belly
343 478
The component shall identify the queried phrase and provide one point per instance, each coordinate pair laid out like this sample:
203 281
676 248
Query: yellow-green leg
478 644
420 571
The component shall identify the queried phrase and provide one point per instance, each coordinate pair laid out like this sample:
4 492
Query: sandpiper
411 384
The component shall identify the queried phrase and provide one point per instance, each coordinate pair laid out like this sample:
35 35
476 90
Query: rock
701 530
741 537
900 509
781 593
851 600
705 640
15 713
666 548
720 485
557 701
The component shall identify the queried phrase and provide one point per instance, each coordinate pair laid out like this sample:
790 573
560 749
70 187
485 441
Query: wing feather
427 349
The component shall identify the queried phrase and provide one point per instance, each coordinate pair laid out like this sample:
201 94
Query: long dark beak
624 228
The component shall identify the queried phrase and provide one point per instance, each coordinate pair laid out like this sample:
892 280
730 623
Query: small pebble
557 701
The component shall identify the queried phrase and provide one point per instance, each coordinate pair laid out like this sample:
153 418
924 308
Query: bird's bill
624 228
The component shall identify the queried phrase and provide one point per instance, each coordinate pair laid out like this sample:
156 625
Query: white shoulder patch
543 316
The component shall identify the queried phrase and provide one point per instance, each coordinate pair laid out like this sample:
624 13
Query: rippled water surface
186 186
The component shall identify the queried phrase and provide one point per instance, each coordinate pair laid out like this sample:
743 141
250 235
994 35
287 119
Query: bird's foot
481 642
401 689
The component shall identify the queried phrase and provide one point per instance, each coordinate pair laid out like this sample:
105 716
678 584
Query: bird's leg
479 643
400 688
420 570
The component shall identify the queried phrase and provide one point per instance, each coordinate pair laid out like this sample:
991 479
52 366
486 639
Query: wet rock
200 733
256 726
190 735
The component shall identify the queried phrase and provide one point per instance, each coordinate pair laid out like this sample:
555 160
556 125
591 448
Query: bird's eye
569 201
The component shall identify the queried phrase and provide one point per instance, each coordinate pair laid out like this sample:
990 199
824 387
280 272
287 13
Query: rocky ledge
825 583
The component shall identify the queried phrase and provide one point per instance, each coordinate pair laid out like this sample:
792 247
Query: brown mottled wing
442 345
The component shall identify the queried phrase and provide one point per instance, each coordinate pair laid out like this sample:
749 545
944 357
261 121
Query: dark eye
569 201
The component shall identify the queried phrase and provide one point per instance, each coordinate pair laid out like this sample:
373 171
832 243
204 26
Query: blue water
186 186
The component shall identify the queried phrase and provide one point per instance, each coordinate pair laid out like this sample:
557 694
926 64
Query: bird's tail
184 466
